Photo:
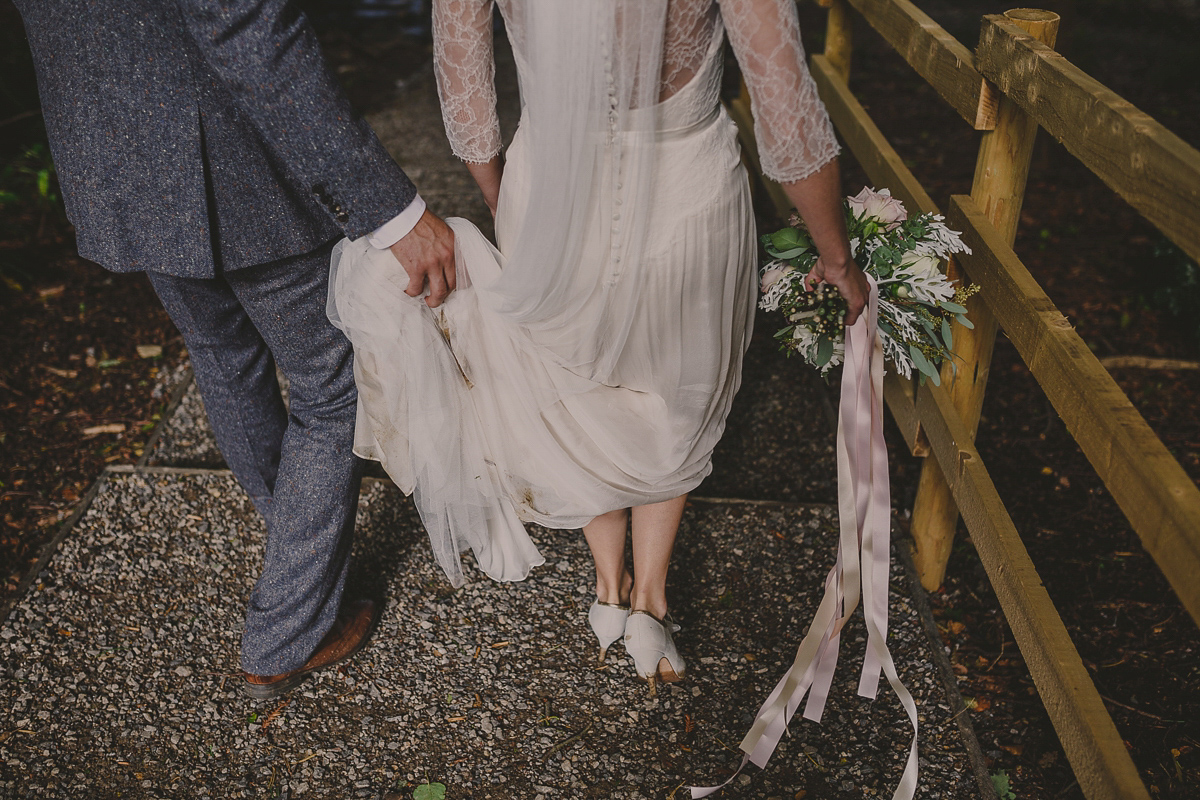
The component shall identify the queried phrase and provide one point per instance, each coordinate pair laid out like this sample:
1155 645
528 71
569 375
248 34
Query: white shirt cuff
398 227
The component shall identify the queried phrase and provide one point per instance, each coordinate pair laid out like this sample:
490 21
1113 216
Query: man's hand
427 255
848 279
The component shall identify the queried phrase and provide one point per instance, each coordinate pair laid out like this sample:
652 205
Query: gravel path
118 668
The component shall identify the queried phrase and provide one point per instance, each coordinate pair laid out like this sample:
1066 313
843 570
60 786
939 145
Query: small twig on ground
1067 788
1144 362
271 717
568 741
727 747
1003 642
1139 711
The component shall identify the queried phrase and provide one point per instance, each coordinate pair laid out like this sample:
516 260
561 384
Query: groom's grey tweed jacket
198 135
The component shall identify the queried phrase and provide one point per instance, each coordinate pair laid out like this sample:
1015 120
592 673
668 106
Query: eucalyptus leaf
824 351
966 323
953 308
922 363
947 337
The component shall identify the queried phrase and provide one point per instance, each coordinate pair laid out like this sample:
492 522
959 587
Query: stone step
119 667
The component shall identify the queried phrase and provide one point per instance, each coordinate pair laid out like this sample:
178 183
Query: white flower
880 206
919 265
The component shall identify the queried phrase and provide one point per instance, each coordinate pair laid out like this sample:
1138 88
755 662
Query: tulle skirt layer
487 424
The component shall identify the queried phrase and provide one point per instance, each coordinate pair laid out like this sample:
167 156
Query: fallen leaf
62 373
1015 749
52 291
430 791
149 350
112 427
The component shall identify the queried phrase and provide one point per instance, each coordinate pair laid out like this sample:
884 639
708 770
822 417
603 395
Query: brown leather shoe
353 627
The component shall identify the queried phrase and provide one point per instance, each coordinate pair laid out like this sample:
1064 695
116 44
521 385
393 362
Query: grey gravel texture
186 439
118 674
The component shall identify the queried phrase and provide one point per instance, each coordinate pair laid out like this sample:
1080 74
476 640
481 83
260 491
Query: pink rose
771 276
880 206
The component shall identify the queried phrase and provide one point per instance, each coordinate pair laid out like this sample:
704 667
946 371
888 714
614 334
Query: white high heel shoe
608 623
649 641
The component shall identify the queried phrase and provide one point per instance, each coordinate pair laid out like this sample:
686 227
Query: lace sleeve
795 136
466 77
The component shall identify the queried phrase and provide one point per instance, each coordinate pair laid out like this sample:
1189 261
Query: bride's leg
606 537
654 529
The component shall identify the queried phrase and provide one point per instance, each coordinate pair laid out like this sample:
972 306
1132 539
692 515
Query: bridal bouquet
904 256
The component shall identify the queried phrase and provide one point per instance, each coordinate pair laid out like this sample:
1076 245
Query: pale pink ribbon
864 510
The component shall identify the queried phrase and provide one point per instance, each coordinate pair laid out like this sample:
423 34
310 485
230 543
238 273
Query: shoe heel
608 624
649 641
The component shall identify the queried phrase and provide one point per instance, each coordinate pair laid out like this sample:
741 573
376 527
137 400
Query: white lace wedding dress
589 363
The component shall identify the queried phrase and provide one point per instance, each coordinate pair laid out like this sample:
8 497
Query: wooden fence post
998 189
839 36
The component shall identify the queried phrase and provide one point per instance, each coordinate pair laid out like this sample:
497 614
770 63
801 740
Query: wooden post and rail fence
1012 84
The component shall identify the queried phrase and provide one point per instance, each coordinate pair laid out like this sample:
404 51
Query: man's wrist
398 226
838 264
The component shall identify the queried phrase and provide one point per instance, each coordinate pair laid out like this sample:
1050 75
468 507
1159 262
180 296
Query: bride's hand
427 255
845 276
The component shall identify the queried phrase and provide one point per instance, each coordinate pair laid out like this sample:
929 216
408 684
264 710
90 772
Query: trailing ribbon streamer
864 510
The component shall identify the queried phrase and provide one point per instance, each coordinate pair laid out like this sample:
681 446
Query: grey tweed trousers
297 465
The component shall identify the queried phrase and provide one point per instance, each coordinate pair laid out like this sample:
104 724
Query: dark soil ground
70 362
1095 257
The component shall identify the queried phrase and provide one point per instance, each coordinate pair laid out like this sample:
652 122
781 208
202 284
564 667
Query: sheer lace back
795 137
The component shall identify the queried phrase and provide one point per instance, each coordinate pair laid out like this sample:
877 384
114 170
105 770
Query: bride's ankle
654 606
616 592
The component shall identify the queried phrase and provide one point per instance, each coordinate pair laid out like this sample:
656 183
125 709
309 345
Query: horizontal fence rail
1089 738
1013 84
1158 498
938 57
1154 170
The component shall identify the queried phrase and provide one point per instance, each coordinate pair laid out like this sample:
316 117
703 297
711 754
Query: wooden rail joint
1151 168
